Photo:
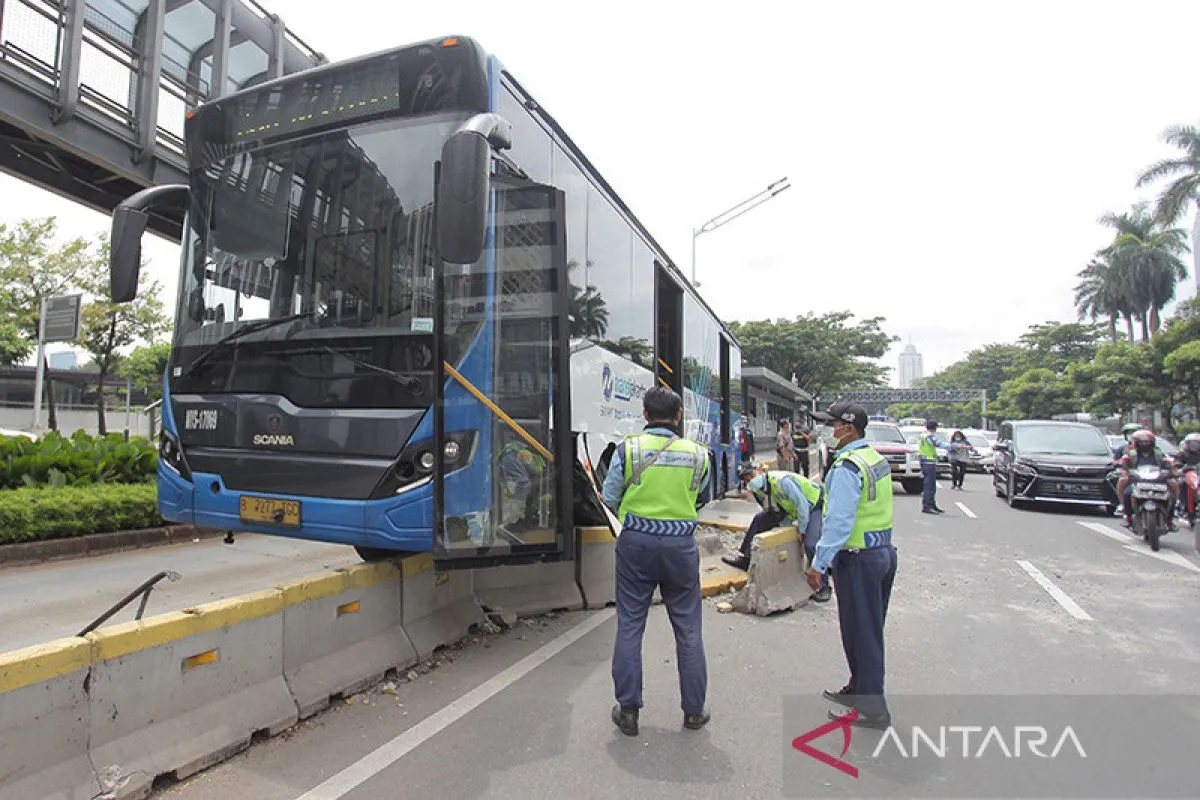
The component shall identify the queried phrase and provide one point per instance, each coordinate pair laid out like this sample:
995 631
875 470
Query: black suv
1056 462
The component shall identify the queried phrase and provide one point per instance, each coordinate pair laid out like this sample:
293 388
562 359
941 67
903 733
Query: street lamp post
733 213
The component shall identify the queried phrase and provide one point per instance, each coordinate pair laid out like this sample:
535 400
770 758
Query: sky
948 160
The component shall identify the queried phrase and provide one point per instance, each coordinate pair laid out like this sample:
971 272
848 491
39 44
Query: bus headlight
450 451
425 461
170 454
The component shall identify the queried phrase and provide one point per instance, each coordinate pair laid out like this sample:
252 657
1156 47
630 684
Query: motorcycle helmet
1128 429
1191 444
1143 442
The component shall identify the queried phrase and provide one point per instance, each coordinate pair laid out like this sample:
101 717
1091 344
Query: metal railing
143 591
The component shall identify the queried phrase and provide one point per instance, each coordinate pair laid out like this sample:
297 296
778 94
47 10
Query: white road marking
1125 539
965 510
1169 557
1058 594
390 752
1101 528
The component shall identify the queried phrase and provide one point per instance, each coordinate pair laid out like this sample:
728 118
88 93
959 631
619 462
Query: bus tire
378 553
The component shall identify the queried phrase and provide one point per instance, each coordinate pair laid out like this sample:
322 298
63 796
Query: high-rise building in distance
912 368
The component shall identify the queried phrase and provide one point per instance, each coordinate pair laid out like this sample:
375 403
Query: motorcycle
1191 487
1151 498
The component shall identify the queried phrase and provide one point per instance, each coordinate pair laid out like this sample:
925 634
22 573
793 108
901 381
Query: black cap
844 411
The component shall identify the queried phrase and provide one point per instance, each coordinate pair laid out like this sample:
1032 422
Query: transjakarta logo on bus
618 387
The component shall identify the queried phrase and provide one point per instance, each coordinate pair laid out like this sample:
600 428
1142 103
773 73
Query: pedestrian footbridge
93 93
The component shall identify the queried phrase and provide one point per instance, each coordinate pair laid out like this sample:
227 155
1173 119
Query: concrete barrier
44 722
596 565
776 575
529 588
437 607
342 632
180 691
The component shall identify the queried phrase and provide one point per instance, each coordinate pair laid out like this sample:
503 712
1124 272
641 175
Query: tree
824 352
1119 378
33 268
145 366
1184 169
1038 393
1101 293
109 327
1183 364
1151 260
1055 345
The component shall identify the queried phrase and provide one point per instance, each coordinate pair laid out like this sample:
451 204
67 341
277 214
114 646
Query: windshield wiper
252 327
408 382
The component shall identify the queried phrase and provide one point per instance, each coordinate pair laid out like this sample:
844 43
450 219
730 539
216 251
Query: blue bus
412 316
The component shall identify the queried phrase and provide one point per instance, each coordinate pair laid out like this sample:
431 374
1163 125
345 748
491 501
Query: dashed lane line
965 510
1125 539
1061 597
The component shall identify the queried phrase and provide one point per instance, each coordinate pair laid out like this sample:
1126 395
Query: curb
714 586
725 526
93 544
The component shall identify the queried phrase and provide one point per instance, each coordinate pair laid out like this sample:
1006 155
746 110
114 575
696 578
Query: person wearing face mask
856 543
929 457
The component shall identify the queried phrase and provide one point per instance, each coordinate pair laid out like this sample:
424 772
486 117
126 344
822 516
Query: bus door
668 342
511 503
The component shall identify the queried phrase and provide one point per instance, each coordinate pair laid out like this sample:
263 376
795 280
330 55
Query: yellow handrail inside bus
495 409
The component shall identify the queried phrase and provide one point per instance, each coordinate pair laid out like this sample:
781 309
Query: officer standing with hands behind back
856 541
653 483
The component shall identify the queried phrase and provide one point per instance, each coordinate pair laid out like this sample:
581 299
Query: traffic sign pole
40 374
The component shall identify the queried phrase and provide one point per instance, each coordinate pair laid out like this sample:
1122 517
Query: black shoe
821 595
937 510
694 722
738 562
929 511
879 722
626 720
843 696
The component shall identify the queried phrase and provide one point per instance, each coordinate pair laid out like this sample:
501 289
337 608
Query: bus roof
567 142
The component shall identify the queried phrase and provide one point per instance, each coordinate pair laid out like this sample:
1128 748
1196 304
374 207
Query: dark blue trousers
672 564
929 475
863 580
763 521
812 535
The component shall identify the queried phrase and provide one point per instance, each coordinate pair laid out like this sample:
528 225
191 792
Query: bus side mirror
125 252
462 197
129 222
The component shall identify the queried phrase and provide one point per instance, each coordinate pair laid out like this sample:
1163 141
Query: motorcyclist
1188 458
1127 431
1142 452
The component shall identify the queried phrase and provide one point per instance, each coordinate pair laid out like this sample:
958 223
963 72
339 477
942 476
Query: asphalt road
525 713
48 601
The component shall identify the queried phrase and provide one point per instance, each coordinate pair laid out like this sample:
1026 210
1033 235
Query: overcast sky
948 159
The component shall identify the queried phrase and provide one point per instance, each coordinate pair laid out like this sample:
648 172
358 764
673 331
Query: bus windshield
336 230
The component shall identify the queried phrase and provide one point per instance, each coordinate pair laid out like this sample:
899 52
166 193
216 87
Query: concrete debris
412 676
389 688
529 622
502 620
487 626
724 607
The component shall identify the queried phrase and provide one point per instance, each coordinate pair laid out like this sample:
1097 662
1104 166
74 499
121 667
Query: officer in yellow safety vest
654 483
856 542
927 452
783 496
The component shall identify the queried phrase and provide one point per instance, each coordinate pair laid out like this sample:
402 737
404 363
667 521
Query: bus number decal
201 419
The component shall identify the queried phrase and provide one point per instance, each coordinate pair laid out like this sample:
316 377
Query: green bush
44 513
80 460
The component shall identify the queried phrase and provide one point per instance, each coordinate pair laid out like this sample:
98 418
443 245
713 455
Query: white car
983 458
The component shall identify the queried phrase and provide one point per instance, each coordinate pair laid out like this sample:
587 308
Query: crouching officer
784 496
653 483
856 541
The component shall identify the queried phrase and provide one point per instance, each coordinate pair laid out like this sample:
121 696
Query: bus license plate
270 511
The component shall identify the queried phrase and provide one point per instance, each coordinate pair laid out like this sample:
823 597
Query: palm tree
1098 294
589 313
1150 257
1185 171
